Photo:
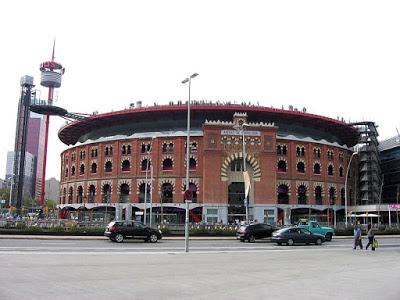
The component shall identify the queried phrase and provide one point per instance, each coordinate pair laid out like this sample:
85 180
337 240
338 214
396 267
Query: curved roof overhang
70 133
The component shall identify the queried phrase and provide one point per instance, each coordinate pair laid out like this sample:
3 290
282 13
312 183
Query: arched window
282 166
66 172
70 195
142 193
302 194
106 193
92 193
237 165
317 168
128 149
108 166
64 198
332 196
82 169
279 150
123 152
318 195
193 147
73 171
192 164
124 193
284 150
341 171
283 194
330 170
167 193
167 164
143 148
300 167
126 165
93 168
79 197
342 197
298 151
145 165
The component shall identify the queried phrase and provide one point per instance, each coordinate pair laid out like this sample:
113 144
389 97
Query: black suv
117 231
254 231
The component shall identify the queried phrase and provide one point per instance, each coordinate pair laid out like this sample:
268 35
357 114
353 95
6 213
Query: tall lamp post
345 186
188 79
245 200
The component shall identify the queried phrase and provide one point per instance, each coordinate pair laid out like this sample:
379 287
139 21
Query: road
213 269
103 245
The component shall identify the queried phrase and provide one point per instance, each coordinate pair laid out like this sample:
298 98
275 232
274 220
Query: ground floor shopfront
174 213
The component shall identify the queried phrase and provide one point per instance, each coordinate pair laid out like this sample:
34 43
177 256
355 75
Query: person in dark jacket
370 236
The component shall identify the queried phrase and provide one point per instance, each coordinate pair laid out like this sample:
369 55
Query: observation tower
51 75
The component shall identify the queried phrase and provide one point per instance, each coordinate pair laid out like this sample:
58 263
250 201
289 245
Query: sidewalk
201 238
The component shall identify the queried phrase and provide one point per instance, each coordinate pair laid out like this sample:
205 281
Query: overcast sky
336 58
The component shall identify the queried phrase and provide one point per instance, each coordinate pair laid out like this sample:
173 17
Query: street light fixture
245 200
345 186
188 79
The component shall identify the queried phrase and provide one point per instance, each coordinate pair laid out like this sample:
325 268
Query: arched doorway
318 195
283 194
236 190
167 192
142 195
106 193
92 193
124 193
79 197
302 194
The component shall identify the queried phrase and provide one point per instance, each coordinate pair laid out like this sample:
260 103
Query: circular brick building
296 164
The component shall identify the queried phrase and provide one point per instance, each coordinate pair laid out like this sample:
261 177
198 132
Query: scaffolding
370 180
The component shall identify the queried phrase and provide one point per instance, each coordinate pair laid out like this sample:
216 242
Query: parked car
117 231
294 235
314 227
253 232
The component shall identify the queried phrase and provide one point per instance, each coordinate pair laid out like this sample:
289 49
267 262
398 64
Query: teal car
314 227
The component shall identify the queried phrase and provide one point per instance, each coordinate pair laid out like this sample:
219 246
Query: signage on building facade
239 132
395 206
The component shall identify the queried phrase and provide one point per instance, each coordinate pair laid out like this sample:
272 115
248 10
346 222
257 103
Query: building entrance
236 209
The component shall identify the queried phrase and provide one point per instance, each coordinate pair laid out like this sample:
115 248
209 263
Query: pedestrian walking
370 235
357 237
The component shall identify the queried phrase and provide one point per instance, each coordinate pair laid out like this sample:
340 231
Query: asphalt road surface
213 269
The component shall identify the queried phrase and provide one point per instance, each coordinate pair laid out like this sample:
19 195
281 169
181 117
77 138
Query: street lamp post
345 186
245 200
188 79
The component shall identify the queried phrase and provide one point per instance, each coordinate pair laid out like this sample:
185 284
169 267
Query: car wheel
119 238
328 236
252 239
318 242
290 242
153 238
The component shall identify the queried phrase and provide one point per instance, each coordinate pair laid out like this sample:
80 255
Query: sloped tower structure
370 181
21 132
